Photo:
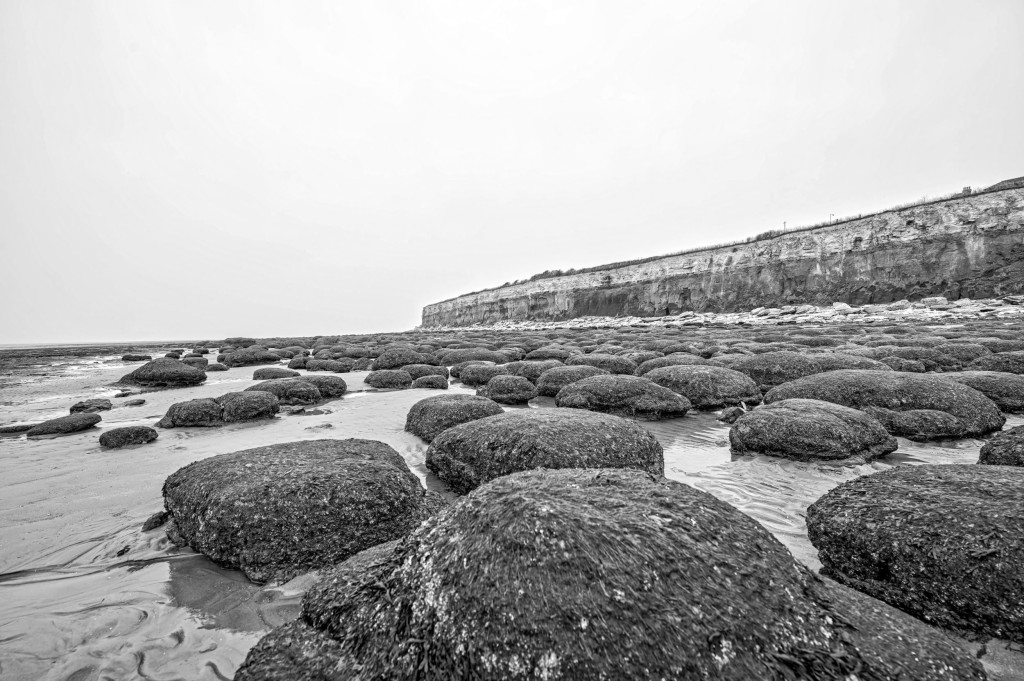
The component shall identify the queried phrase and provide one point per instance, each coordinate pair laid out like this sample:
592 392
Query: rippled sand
85 594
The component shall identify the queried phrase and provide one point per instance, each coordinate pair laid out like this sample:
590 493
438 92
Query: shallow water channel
85 594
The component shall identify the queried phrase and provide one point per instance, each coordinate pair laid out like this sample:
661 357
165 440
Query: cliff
972 247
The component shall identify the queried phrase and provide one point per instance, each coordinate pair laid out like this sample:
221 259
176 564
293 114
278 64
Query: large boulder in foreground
65 425
598 574
633 396
164 372
277 511
469 455
810 430
1006 390
1004 449
942 542
430 417
915 406
707 387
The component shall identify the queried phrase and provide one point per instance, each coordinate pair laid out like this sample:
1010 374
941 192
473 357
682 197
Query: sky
196 169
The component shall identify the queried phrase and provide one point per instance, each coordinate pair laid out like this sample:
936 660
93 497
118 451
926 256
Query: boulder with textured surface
615 364
388 379
202 413
1004 449
115 438
707 387
810 430
65 425
769 369
249 356
248 405
431 382
597 574
430 417
164 372
277 511
556 378
509 390
678 359
337 366
328 386
270 373
393 358
475 375
468 455
633 396
91 406
532 369
1006 390
915 406
1010 362
942 542
290 390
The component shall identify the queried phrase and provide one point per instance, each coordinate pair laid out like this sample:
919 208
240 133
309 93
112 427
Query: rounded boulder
633 396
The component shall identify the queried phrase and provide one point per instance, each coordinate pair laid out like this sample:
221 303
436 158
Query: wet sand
85 594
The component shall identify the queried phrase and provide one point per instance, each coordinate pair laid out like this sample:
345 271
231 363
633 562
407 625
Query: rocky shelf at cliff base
935 310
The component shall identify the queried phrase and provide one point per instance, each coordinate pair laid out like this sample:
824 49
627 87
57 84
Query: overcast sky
204 168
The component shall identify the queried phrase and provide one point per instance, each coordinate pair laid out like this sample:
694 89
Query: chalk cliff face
965 247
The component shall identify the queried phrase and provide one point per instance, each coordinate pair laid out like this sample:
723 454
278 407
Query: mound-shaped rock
430 417
421 370
1006 390
248 405
337 366
907 365
475 375
393 358
614 364
839 360
532 369
277 511
460 355
678 359
1010 362
556 378
633 396
942 542
550 352
91 406
198 362
394 379
553 575
270 373
65 425
329 386
469 455
249 356
290 390
810 430
769 369
115 438
509 390
297 362
431 382
201 413
132 357
1004 449
164 372
707 387
915 406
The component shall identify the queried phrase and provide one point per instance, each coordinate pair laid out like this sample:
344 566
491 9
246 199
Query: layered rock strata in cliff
969 247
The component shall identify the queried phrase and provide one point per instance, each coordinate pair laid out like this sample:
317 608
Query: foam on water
85 594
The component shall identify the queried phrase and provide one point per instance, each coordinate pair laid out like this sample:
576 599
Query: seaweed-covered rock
623 395
337 366
532 369
328 386
115 438
270 373
615 364
556 378
249 356
461 355
431 382
942 542
202 413
965 353
901 364
17 428
277 511
769 369
810 430
430 417
678 359
1010 362
475 375
468 455
297 362
1004 449
216 366
198 362
932 359
915 406
1006 390
421 370
840 360
65 425
395 379
509 390
134 357
290 390
248 405
164 372
553 574
551 352
91 406
393 358
707 387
